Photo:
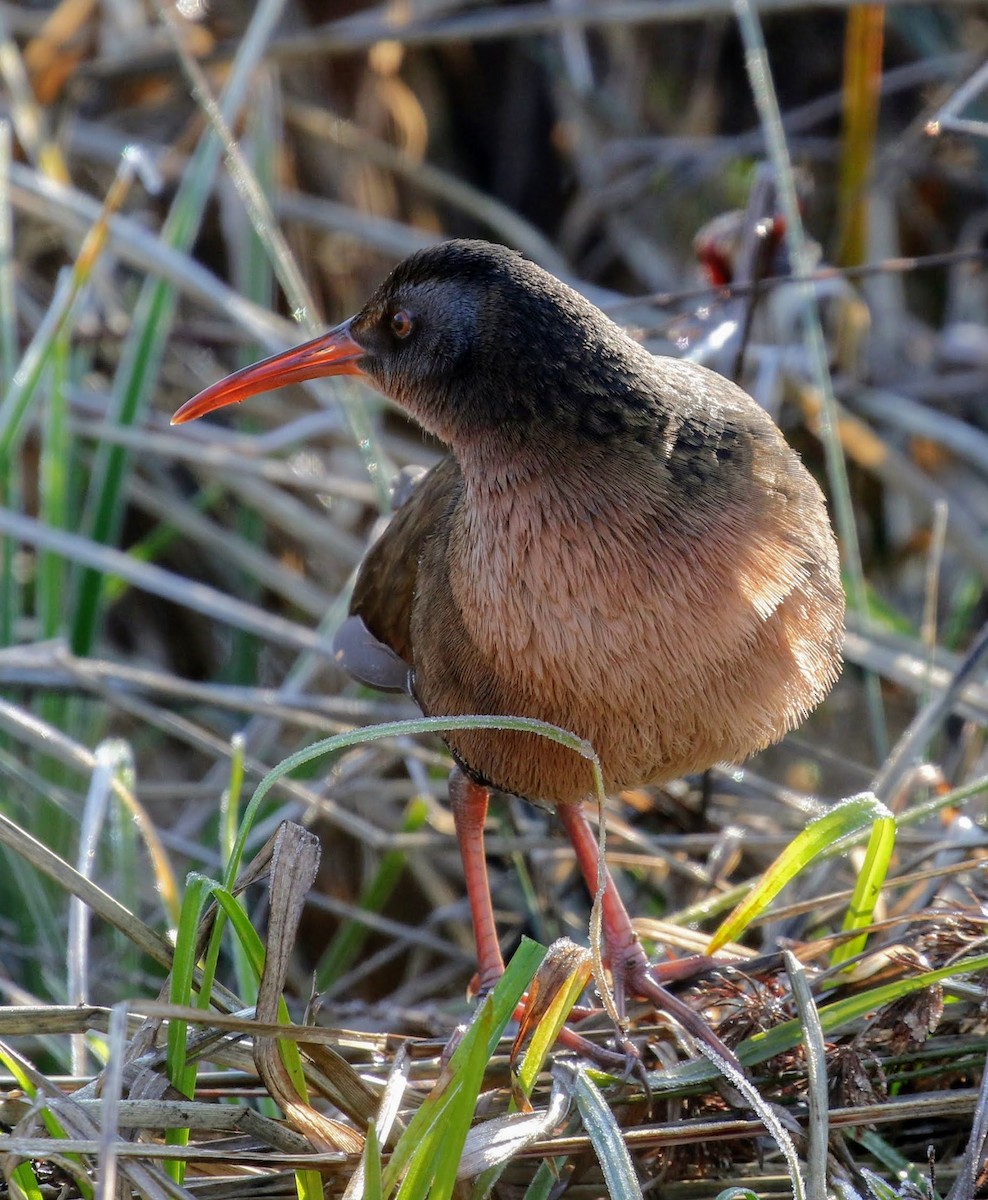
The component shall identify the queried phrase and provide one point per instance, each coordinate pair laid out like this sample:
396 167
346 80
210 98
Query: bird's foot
635 976
623 1062
641 980
620 1062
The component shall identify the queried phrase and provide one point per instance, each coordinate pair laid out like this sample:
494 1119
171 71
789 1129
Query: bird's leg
630 968
622 949
631 972
468 800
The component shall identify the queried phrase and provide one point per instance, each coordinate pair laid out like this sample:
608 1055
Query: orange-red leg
631 972
468 800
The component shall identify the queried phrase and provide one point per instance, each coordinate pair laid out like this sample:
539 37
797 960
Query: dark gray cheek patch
448 317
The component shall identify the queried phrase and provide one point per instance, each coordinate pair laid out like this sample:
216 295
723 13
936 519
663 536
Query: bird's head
468 337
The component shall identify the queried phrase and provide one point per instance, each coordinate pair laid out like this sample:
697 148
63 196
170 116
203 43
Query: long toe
640 979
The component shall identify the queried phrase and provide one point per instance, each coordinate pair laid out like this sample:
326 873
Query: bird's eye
402 323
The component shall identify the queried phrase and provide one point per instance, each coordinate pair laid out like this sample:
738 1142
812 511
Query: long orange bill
333 353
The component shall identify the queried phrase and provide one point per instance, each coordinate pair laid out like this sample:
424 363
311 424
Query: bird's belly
596 666
664 662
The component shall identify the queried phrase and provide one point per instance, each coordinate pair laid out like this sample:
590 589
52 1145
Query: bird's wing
374 644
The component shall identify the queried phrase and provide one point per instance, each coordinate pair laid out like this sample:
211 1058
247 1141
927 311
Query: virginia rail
619 544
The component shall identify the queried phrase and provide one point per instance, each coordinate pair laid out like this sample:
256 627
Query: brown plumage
671 635
619 544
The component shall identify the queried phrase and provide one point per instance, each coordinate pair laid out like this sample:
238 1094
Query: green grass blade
915 1182
373 733
605 1136
181 988
254 948
485 1031
871 880
181 1072
53 498
16 403
308 1184
373 1189
60 314
835 1016
545 1180
229 818
153 316
10 588
843 821
26 1080
432 1169
552 1022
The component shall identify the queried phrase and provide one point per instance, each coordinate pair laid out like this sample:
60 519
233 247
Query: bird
617 543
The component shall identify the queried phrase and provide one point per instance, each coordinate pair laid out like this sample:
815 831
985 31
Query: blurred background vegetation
184 189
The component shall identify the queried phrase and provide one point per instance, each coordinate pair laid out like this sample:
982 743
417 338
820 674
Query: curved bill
333 353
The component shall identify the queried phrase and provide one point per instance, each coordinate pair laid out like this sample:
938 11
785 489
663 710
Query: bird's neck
508 473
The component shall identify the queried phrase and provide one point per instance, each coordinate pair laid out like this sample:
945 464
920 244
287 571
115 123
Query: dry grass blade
294 859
